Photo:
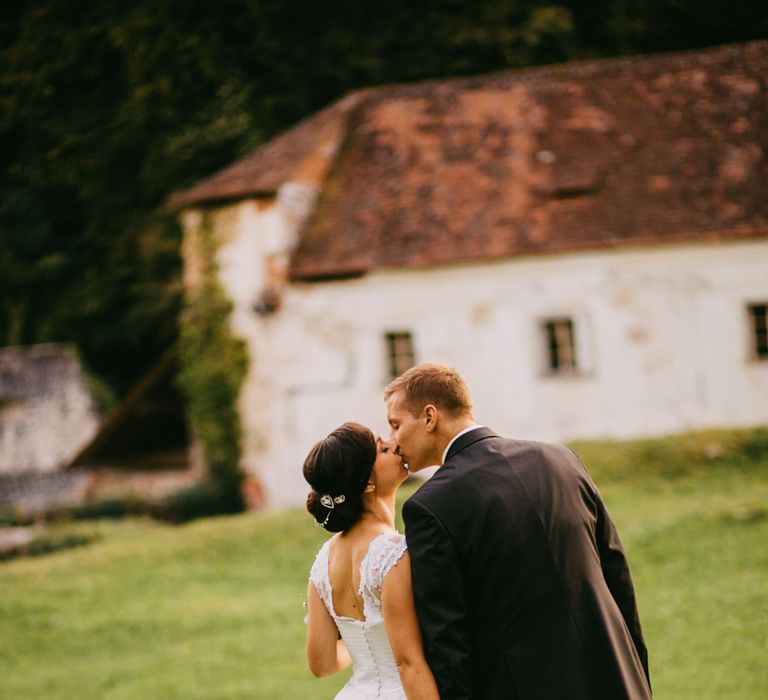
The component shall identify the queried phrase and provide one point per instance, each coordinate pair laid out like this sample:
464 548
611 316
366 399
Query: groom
521 584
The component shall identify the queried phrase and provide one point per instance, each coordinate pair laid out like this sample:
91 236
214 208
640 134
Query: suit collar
475 426
467 439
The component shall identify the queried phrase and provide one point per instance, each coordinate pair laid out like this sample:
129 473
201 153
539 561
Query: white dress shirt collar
455 437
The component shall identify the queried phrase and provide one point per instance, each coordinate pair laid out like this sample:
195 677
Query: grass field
213 610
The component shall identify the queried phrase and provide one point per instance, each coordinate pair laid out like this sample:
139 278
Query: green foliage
212 610
755 444
206 498
108 508
213 365
105 109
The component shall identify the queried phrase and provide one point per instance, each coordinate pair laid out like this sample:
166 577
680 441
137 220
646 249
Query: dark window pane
759 316
559 343
554 359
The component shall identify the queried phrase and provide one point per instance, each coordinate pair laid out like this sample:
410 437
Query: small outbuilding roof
617 152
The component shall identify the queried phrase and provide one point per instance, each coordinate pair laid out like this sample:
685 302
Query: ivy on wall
212 367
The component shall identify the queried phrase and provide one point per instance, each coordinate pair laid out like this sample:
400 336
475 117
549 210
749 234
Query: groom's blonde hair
435 384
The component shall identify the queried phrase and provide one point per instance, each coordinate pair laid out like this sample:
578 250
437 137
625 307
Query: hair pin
330 503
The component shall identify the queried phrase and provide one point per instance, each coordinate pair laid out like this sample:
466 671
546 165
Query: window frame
395 357
579 349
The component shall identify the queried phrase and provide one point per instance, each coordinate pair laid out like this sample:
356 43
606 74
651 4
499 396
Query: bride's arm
326 653
403 632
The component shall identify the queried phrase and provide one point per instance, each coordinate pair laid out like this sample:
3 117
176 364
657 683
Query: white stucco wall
47 410
663 331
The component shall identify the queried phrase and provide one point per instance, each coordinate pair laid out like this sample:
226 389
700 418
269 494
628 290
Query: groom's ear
429 416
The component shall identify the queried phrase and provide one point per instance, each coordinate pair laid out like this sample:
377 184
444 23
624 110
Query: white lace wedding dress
374 671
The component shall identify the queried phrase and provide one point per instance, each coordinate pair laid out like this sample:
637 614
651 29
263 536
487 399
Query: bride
359 602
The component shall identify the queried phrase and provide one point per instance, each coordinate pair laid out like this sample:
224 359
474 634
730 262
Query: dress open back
374 671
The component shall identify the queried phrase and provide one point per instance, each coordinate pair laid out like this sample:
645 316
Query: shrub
755 445
47 544
109 508
206 498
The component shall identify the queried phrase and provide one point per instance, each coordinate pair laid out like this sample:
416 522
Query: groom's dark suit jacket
521 585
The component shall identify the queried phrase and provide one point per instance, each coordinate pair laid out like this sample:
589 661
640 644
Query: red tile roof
638 151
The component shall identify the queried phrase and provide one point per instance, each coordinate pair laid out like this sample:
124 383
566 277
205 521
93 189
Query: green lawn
213 610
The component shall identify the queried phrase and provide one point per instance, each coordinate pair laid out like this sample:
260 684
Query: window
758 316
400 355
559 346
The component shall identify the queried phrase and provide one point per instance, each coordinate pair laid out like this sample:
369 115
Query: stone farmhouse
586 243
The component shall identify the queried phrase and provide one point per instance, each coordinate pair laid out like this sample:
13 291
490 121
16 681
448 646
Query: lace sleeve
383 554
318 575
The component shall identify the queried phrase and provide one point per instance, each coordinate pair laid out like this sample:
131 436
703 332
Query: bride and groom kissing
510 581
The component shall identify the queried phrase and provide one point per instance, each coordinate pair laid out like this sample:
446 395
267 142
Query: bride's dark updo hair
340 465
